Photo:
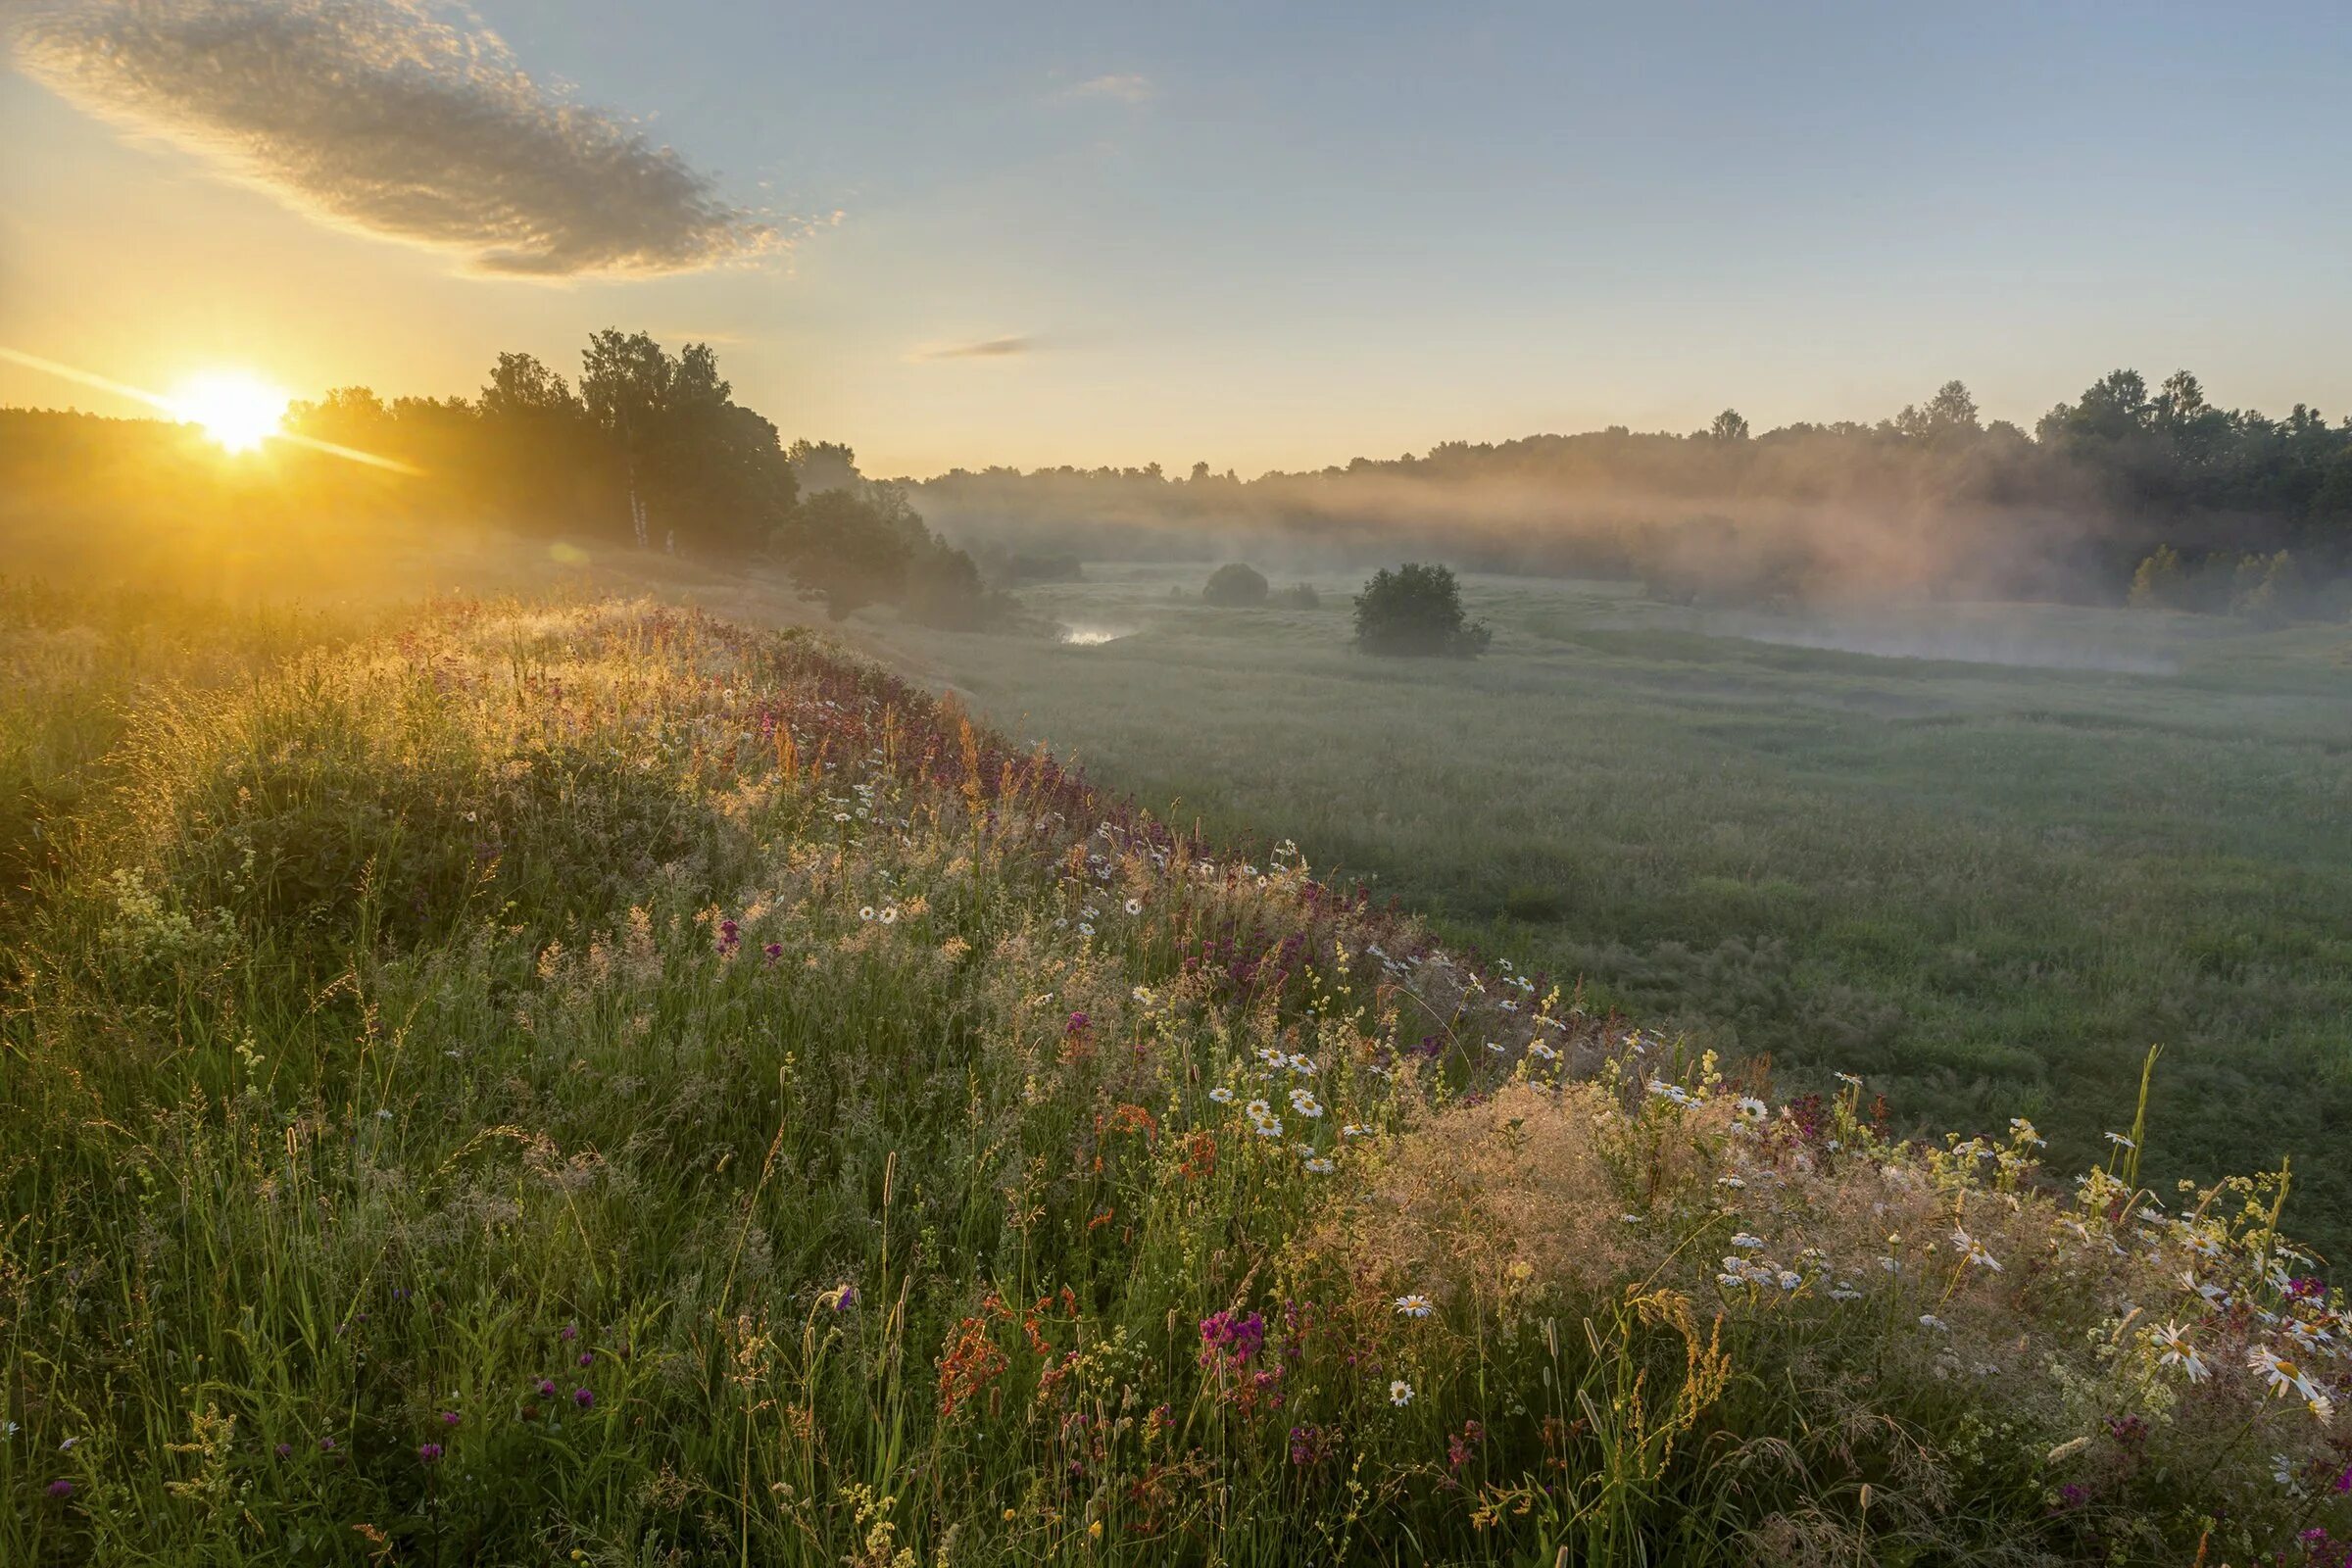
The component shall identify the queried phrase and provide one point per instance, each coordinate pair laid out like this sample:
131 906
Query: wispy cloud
1127 88
400 118
995 348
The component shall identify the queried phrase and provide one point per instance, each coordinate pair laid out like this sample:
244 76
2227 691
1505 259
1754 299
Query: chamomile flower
866 912
1400 1393
1305 1104
2173 1341
1414 1306
1135 905
1221 1095
1320 1166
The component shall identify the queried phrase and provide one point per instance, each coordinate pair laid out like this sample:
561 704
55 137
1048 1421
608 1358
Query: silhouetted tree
1416 609
1235 586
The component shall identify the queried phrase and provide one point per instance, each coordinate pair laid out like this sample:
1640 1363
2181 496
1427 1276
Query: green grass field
1990 887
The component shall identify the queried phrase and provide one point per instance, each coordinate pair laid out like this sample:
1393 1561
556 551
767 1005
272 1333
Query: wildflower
2284 1376
1256 1111
1975 1251
1751 1242
1320 1166
582 1398
428 1453
326 1445
1305 1104
1729 1181
1230 1341
449 1418
840 1298
1142 994
547 1388
1400 1393
1844 1292
1850 1080
1135 905
2121 1141
1536 1048
1414 1306
587 1357
1270 1127
2023 1131
2177 1351
2066 1451
888 914
1750 1109
1355 1130
865 912
1929 1320
285 1450
1221 1095
60 1489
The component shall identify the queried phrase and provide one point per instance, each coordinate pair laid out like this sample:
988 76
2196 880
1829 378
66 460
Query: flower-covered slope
598 1082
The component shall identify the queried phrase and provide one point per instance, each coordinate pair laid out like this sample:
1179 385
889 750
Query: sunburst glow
237 412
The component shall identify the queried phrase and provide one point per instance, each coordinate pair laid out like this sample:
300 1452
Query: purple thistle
587 1357
60 1489
582 1398
547 1388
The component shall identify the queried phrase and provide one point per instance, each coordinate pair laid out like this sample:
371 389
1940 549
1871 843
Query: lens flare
237 411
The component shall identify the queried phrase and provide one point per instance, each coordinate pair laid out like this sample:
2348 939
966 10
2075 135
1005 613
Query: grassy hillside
1988 886
594 1083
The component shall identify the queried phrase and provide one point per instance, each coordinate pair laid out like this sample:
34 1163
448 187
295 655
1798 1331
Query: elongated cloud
995 348
1126 88
394 118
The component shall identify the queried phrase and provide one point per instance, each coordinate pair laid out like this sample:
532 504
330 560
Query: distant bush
2270 589
944 588
1019 569
1297 596
1236 587
1534 904
1416 609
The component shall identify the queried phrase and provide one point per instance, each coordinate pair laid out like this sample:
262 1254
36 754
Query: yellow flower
1095 1529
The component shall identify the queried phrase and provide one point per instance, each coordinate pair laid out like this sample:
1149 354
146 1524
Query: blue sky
1282 236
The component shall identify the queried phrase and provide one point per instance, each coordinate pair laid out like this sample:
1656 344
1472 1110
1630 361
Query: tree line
1933 497
652 447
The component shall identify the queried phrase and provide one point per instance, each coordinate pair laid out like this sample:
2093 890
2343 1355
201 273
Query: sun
238 411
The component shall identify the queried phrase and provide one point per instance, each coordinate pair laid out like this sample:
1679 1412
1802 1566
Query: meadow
589 1081
1990 887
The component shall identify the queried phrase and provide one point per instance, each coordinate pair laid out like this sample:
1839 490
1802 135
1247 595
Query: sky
1260 236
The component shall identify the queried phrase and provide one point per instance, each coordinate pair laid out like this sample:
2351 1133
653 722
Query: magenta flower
587 1357
547 1388
429 1452
60 1489
582 1398
449 1418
